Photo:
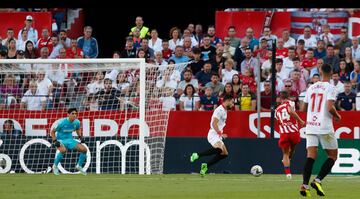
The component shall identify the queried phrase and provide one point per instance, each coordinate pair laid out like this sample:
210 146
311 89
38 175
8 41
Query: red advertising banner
16 21
254 19
240 124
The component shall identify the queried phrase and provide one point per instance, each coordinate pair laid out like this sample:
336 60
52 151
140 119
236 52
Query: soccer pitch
169 186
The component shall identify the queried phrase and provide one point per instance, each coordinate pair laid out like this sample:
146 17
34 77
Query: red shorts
288 139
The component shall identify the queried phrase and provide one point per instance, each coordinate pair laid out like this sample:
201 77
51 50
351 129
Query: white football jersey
221 114
319 119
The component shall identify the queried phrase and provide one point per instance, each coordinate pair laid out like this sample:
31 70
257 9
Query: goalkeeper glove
56 143
82 140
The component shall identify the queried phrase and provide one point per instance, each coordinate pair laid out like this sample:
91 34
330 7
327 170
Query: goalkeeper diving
64 141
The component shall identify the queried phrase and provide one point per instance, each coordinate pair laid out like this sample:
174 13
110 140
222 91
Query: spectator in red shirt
298 84
262 52
300 49
266 97
309 62
281 51
45 41
166 51
74 52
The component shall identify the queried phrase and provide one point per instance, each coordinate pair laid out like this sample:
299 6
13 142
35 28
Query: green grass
187 186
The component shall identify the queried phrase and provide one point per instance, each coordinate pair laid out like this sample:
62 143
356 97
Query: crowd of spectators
213 67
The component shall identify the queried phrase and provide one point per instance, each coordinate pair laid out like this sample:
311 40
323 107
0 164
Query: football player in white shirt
319 103
215 136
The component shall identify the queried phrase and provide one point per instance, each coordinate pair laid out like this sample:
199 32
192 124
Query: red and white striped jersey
287 124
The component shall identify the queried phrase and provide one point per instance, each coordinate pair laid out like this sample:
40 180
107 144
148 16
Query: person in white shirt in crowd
168 101
288 63
121 83
33 99
189 100
164 80
159 60
187 80
187 33
57 76
97 84
9 35
229 51
32 33
64 40
45 86
56 47
310 40
175 38
20 44
250 63
327 36
228 72
335 80
155 42
268 36
288 41
355 49
44 54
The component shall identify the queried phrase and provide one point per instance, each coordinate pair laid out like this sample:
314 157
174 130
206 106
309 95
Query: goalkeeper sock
211 151
82 158
216 159
307 170
325 168
58 158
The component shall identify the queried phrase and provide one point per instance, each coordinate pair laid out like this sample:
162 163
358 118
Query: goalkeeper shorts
69 144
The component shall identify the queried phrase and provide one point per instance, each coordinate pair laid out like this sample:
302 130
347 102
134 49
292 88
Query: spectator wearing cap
45 40
196 64
166 51
32 33
9 35
11 53
253 42
288 41
88 43
309 39
139 24
155 42
320 50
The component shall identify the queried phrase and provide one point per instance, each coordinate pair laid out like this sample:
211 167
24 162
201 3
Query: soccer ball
256 170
